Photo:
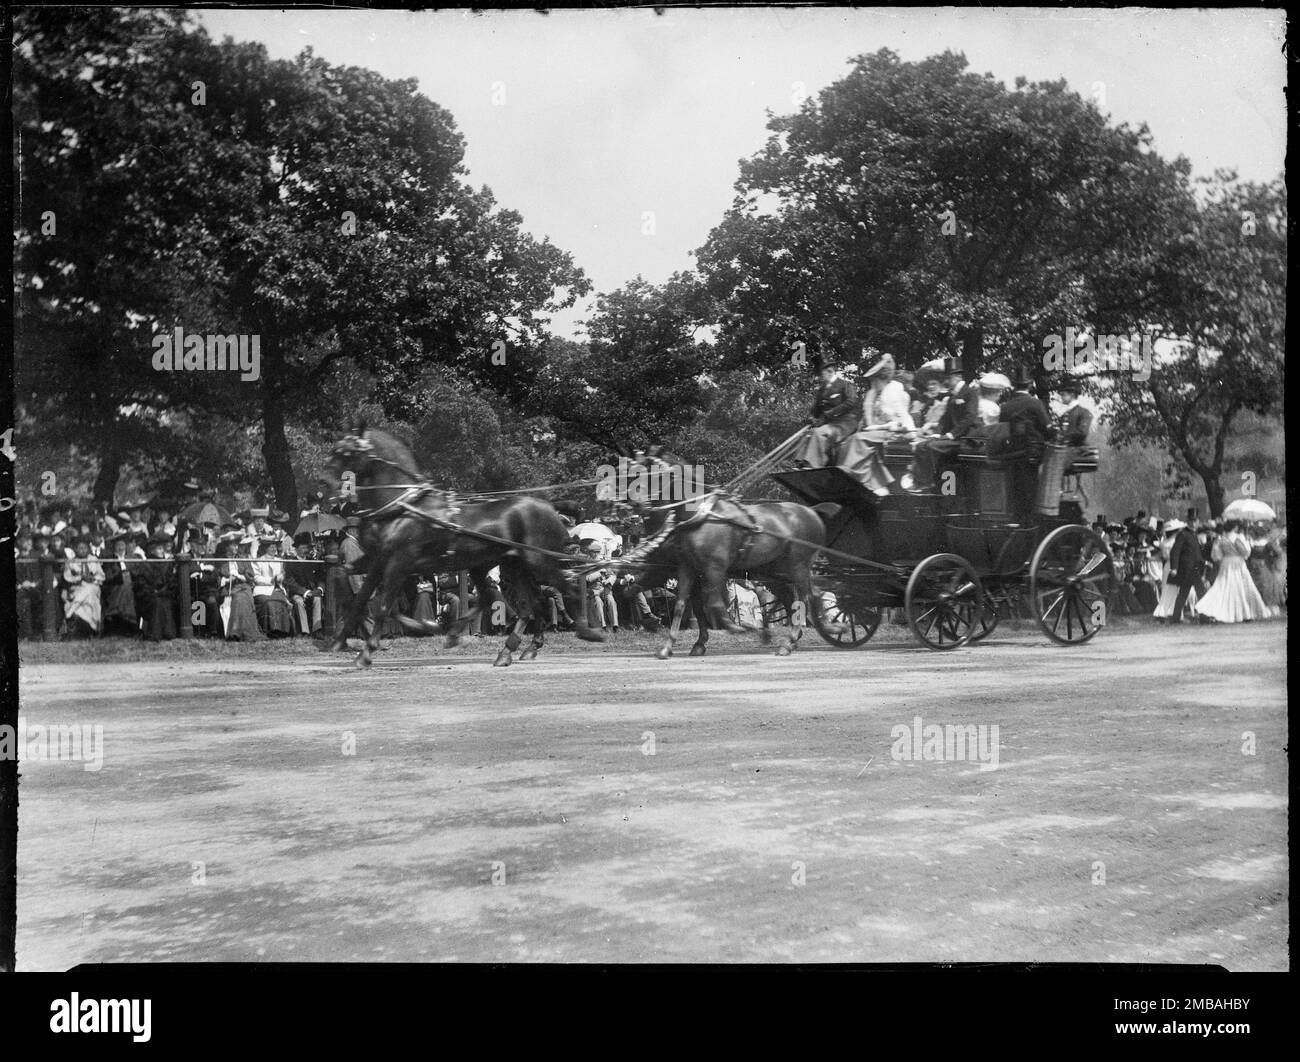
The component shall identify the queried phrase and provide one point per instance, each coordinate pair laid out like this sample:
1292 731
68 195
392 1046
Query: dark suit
834 416
1185 565
960 418
1075 425
1027 430
962 414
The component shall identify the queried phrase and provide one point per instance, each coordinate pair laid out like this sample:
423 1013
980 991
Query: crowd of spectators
1143 545
259 574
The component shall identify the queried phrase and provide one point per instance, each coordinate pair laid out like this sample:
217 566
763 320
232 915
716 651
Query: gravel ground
277 804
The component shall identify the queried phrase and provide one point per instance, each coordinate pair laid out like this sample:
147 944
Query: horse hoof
697 650
783 651
503 659
452 641
528 654
764 637
665 652
588 635
363 661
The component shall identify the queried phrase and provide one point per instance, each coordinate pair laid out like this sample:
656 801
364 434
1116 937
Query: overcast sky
584 121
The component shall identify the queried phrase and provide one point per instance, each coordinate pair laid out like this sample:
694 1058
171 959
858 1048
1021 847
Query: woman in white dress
1233 598
84 576
884 413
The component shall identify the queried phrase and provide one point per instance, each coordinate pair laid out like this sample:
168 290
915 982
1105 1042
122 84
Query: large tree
1215 293
321 209
640 376
925 209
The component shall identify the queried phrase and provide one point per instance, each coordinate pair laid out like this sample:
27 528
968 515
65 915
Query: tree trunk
972 351
110 469
275 445
1213 493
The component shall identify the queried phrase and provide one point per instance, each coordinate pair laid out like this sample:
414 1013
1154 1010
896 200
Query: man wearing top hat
961 416
1185 565
833 417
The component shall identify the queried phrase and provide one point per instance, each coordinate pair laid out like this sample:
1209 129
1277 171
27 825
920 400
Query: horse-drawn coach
956 559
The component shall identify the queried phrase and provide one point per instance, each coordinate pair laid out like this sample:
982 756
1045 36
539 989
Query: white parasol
1252 510
605 538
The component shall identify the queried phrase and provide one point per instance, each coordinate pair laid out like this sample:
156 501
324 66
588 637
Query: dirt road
599 805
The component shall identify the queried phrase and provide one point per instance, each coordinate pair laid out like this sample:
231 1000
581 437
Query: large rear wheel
1071 578
944 601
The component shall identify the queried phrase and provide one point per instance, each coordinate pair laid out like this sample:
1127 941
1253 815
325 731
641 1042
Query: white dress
1233 598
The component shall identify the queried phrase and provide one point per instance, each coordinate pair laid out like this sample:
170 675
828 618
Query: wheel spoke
1046 612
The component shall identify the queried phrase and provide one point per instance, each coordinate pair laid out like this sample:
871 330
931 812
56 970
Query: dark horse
715 536
522 535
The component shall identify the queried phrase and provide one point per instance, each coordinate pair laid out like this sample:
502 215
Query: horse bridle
357 445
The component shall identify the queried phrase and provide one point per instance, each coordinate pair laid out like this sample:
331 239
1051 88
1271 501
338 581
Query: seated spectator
602 610
119 587
425 609
82 577
155 592
59 547
635 602
28 572
237 610
306 603
205 586
270 602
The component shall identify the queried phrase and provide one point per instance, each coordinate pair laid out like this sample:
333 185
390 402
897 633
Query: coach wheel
943 601
1071 578
990 612
842 621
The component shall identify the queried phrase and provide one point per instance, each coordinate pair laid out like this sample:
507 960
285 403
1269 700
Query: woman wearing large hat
119 586
154 584
238 613
83 577
270 602
885 414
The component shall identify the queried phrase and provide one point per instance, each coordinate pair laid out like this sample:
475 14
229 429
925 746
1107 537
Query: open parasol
319 523
205 512
604 537
1252 510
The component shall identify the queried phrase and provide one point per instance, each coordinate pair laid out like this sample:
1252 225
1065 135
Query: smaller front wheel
843 622
990 613
944 601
